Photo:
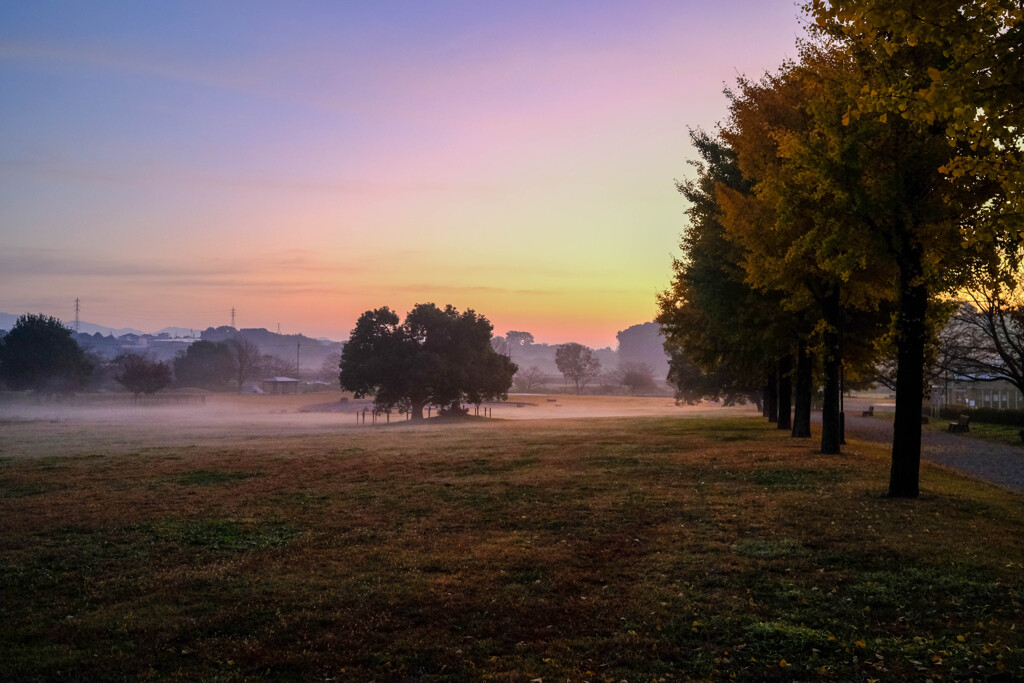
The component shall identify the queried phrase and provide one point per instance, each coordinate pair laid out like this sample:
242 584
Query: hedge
1014 418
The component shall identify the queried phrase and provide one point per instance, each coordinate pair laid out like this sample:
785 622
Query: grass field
600 549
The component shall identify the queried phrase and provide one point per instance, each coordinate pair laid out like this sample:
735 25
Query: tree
435 357
275 366
985 339
955 66
637 377
802 237
578 363
39 353
515 339
721 334
938 179
529 378
245 359
205 364
328 371
643 344
139 374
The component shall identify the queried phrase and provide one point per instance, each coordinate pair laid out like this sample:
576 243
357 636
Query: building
995 393
281 385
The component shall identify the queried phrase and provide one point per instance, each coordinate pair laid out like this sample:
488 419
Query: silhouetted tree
245 359
515 339
139 374
205 364
39 353
436 357
578 363
643 344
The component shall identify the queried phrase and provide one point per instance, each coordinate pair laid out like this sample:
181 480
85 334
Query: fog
82 424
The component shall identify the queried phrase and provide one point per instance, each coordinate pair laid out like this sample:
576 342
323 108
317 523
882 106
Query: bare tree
330 369
529 378
275 366
637 377
500 345
245 359
986 336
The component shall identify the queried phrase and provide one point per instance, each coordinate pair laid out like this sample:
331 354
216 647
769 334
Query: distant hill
7 321
311 352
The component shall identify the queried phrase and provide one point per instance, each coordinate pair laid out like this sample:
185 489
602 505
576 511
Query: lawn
602 549
1008 435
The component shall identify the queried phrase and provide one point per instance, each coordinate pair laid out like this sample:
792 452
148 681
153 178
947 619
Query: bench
962 424
870 412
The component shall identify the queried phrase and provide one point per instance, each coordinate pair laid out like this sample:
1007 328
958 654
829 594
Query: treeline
41 354
639 365
843 204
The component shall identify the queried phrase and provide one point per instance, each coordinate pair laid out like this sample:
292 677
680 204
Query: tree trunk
830 436
416 410
911 333
804 389
785 391
773 395
764 400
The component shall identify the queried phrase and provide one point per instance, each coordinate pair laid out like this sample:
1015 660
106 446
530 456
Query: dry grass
601 549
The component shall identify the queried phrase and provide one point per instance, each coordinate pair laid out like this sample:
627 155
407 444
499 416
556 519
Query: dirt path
991 462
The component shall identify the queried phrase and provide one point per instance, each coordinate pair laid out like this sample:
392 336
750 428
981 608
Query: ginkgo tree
801 239
937 101
953 66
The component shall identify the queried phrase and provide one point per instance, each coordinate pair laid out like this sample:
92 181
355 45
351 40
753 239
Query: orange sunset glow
303 163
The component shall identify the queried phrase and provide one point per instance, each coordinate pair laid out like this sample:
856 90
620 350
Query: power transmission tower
232 316
77 309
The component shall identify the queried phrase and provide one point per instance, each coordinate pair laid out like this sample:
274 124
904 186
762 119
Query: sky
302 162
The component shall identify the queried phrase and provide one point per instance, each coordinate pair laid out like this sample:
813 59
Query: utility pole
77 309
232 316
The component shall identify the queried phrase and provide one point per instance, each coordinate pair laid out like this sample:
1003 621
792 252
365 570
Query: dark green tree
206 365
39 353
435 357
141 375
723 336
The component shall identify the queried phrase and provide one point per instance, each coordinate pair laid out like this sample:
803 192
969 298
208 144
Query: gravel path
991 462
